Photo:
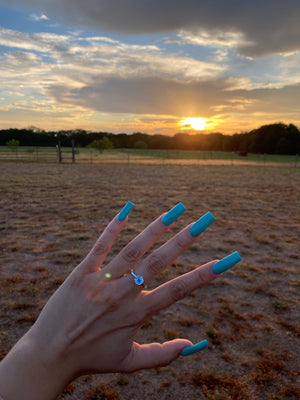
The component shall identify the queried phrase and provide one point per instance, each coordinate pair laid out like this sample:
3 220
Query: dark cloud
144 96
271 100
161 96
272 26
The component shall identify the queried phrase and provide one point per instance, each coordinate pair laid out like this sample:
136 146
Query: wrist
33 371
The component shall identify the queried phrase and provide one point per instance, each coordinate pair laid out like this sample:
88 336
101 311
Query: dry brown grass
52 214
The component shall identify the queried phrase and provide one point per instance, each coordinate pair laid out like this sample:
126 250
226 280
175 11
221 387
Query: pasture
85 155
51 214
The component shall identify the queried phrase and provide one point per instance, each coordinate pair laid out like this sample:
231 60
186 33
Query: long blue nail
226 263
173 214
202 223
125 211
194 349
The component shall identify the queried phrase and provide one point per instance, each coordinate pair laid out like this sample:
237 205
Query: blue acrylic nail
173 214
194 349
125 211
226 263
202 223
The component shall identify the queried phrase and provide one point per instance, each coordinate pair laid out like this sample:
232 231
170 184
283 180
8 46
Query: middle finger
156 262
132 253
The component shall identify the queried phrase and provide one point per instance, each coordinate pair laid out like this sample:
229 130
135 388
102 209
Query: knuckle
100 247
164 358
139 317
75 280
181 241
154 229
136 318
204 276
131 254
110 297
156 264
112 304
110 230
178 290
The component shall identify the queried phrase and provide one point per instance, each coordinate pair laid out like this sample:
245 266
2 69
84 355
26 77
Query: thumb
154 355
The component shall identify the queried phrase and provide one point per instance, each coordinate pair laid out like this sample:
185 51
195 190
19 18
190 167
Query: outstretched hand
91 321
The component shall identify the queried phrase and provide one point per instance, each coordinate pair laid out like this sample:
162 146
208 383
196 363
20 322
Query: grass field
51 215
92 156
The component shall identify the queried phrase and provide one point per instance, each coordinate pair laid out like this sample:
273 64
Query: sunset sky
151 66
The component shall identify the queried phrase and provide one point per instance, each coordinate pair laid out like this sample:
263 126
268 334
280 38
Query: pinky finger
180 287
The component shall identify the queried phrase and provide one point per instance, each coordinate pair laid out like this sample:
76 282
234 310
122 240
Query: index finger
97 255
134 250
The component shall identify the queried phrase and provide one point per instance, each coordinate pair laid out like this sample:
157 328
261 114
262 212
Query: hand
90 322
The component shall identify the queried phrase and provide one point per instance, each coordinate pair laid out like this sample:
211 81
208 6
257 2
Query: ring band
138 279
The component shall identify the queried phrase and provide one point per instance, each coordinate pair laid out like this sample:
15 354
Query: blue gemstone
139 280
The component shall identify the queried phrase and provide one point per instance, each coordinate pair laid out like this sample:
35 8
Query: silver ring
138 279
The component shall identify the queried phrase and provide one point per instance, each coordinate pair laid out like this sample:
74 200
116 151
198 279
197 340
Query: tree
13 144
101 144
140 144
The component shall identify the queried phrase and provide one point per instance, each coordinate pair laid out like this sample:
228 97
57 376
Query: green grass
34 153
207 155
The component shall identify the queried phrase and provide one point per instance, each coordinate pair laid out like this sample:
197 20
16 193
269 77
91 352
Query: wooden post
73 151
59 152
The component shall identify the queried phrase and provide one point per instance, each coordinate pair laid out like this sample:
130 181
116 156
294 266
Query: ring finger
156 262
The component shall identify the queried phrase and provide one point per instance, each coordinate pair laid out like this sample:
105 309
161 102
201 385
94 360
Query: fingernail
173 214
202 223
125 211
194 349
226 263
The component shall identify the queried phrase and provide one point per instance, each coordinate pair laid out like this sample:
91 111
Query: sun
196 123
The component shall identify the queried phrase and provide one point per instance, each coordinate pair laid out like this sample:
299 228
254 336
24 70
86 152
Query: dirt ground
50 216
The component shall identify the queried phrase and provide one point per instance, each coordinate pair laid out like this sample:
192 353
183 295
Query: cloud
215 38
83 59
156 96
255 27
38 18
103 74
274 100
152 95
18 64
74 76
41 42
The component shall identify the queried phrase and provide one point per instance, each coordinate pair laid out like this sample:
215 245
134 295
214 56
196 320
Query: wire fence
135 156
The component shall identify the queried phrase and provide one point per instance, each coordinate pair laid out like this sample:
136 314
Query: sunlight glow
196 123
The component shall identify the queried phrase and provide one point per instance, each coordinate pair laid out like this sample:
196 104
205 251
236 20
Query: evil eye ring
138 279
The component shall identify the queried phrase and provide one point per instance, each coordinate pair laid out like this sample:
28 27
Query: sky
159 67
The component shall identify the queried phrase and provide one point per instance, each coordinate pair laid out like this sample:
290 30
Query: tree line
276 138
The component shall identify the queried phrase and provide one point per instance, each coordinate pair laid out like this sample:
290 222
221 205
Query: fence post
73 151
59 152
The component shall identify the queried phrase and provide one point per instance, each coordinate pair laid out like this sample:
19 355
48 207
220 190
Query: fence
59 154
28 154
38 154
